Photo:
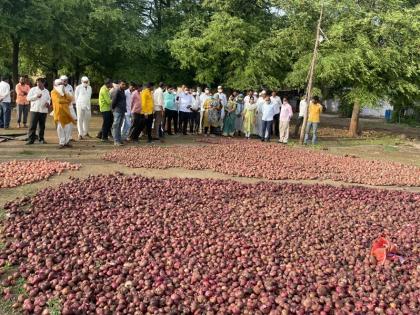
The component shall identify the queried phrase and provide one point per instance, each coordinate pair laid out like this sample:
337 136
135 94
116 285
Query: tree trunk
15 59
355 129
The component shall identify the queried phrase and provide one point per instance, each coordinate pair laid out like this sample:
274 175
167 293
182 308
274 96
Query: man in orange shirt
22 90
64 120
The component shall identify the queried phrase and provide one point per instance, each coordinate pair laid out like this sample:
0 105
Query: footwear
80 138
88 136
61 146
118 144
29 143
104 140
42 141
18 126
68 145
25 126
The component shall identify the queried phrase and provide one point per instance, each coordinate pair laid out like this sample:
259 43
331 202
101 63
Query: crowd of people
129 110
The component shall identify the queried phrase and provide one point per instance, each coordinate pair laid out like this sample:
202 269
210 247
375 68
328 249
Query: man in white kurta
203 98
158 109
258 120
83 95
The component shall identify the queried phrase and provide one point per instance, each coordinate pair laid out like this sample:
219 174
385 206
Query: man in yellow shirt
146 114
314 112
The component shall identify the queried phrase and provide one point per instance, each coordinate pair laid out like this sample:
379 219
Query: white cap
263 92
63 77
84 79
58 82
220 87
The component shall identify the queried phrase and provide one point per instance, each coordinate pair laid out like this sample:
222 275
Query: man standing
185 104
22 90
105 109
223 101
5 107
314 118
83 95
135 108
259 120
303 106
276 101
62 103
69 90
158 109
147 110
127 117
239 100
119 107
40 101
171 111
203 98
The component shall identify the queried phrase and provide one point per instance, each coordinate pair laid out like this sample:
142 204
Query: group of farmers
129 110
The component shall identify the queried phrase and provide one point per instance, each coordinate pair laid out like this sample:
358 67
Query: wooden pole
311 77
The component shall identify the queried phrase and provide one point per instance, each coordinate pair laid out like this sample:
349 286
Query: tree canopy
369 48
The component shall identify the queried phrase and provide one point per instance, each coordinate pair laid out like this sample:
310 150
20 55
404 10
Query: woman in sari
230 116
249 115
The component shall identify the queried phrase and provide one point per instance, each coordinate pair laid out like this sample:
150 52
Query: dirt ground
380 141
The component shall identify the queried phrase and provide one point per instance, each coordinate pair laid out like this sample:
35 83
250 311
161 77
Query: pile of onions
270 161
134 245
20 172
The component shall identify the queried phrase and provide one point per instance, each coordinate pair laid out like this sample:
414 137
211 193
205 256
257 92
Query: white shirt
82 96
185 100
276 101
38 104
158 99
5 92
128 101
260 103
203 99
303 106
223 99
267 111
69 90
196 103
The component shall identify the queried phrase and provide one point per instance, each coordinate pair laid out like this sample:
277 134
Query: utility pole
311 77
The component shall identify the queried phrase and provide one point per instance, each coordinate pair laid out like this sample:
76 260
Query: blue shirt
169 100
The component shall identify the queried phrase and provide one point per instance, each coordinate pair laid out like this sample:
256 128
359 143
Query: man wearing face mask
83 95
203 98
62 103
223 101
69 90
185 104
40 99
119 107
171 110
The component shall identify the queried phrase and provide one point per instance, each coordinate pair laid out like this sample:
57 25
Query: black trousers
194 121
147 122
299 123
107 120
275 126
184 118
23 111
37 119
171 116
136 124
